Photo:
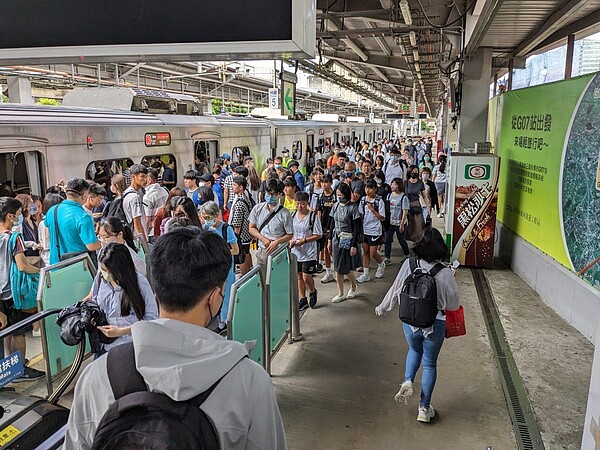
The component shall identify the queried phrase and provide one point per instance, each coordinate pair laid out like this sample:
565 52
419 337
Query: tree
3 98
48 102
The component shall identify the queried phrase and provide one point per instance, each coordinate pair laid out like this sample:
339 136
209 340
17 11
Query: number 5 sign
274 98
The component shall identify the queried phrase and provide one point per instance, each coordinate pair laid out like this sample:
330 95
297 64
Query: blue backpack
24 286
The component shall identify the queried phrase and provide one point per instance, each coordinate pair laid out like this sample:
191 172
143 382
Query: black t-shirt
324 205
357 187
168 175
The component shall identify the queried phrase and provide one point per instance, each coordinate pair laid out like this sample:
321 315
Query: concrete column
475 99
511 66
19 90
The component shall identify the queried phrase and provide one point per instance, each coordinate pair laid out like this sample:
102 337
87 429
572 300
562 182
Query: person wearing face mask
426 162
383 188
265 172
122 293
343 242
430 188
29 230
209 213
394 167
112 231
357 187
11 250
270 223
415 189
242 405
71 228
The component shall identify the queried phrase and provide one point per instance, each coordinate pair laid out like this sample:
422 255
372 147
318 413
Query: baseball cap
226 156
293 163
206 177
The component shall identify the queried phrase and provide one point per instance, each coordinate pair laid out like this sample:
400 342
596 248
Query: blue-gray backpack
418 296
140 419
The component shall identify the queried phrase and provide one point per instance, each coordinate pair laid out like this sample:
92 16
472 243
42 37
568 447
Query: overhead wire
461 17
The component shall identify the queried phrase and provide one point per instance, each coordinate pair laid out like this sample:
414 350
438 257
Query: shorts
373 241
308 267
15 315
440 187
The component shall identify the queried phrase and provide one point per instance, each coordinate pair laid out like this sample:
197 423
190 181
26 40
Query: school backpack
311 219
116 209
140 419
363 204
418 296
388 212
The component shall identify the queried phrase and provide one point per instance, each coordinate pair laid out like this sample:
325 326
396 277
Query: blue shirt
75 227
299 180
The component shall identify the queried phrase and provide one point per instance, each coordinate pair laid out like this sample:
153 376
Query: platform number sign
274 98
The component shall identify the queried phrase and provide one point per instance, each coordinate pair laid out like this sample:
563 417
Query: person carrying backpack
424 289
184 386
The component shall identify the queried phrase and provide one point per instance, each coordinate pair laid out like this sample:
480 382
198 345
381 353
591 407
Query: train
40 145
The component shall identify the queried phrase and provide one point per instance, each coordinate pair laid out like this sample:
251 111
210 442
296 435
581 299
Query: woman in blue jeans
424 343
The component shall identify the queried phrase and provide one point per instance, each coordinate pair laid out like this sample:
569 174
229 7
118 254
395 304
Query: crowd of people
354 199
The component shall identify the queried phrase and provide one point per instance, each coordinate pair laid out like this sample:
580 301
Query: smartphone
455 264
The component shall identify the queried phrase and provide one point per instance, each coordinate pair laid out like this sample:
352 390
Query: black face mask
414 175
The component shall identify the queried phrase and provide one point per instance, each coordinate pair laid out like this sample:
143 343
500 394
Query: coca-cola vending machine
472 200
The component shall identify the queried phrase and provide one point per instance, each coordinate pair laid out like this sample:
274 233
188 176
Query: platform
336 387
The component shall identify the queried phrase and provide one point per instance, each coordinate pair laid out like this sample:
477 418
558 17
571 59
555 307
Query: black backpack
115 209
418 296
241 256
139 419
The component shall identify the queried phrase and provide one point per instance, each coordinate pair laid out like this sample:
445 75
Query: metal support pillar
511 64
495 83
569 60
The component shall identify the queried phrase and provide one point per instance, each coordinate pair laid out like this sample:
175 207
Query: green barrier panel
62 285
245 315
279 295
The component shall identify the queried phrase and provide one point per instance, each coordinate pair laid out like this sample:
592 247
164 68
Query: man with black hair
228 195
270 223
238 219
133 205
395 167
6 191
75 227
11 215
294 166
356 185
95 200
154 199
168 177
190 181
178 356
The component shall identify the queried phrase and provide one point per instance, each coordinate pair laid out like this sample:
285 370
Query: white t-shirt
302 230
133 206
372 226
440 177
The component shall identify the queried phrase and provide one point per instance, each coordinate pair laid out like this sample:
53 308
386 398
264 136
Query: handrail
29 321
55 440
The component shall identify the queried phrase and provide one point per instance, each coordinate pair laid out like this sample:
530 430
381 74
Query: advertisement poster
549 140
474 198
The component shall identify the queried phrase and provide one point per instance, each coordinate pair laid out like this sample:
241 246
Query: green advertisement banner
549 139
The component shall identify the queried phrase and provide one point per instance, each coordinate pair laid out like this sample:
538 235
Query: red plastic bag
455 323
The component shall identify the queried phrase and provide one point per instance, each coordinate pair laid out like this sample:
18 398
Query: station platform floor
336 387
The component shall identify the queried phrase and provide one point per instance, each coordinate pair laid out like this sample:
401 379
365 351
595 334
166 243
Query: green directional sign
288 98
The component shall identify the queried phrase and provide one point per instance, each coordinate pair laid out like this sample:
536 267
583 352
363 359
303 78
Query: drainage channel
521 412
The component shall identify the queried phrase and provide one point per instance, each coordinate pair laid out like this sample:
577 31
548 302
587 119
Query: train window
370 140
297 150
22 172
327 143
166 165
102 171
321 142
205 153
336 138
239 153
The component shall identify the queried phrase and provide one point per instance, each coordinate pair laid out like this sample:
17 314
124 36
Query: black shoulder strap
413 263
56 229
224 230
436 269
278 208
311 220
122 373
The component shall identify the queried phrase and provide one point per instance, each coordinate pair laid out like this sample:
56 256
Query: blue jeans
389 239
426 349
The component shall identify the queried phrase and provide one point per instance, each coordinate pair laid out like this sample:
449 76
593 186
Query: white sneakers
380 270
363 278
426 414
338 298
328 278
387 261
351 293
406 390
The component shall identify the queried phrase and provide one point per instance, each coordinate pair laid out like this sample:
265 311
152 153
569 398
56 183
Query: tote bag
455 323
23 285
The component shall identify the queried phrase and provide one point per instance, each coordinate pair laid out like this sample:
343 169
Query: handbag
455 323
24 286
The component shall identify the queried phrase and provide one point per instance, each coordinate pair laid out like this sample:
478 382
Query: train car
40 145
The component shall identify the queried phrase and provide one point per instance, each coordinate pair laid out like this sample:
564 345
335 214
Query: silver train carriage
40 145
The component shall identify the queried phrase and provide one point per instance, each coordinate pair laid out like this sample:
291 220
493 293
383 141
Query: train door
239 153
23 171
205 152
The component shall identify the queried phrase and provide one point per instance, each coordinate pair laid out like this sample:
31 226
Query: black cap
206 177
293 163
77 186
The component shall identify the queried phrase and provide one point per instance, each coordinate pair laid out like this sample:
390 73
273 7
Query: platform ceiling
372 38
